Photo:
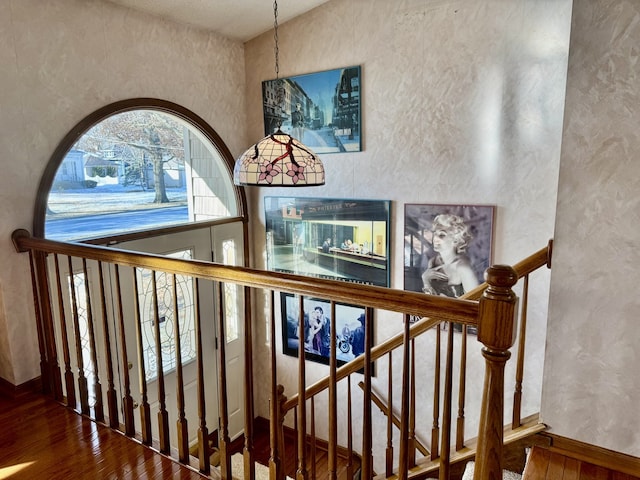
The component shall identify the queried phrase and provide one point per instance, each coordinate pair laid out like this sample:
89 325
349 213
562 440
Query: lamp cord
275 36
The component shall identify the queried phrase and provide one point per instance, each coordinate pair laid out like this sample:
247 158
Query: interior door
194 244
229 250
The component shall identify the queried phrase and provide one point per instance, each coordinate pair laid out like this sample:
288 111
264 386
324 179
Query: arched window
135 165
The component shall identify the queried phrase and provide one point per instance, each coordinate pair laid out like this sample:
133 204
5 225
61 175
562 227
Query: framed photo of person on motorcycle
312 325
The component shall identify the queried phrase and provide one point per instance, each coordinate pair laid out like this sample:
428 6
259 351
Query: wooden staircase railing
86 360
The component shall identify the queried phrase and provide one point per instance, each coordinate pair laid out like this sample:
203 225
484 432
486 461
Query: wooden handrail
383 298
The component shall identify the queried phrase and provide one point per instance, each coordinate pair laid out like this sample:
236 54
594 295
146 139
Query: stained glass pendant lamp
278 160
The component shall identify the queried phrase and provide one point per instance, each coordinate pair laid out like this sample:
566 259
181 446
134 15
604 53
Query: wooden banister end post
16 236
497 331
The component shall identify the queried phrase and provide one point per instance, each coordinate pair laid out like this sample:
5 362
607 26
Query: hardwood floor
40 439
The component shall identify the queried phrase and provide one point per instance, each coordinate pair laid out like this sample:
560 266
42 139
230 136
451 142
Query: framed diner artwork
338 239
316 333
322 109
447 248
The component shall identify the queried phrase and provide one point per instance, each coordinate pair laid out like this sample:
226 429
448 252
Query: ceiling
237 19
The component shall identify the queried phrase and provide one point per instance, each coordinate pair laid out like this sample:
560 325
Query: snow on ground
108 198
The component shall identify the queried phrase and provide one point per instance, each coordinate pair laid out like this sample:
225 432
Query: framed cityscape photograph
447 248
339 239
321 109
316 334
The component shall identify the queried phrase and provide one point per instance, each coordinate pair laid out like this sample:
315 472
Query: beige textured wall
591 383
61 61
462 103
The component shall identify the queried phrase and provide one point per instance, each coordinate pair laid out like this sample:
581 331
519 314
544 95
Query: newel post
497 331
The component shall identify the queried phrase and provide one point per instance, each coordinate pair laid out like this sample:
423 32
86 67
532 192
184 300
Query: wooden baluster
249 463
46 378
313 439
163 415
276 469
367 454
83 390
68 373
462 390
496 330
412 407
145 408
403 467
517 394
389 449
282 398
445 454
203 432
223 421
127 401
332 459
435 429
97 388
301 473
296 458
350 465
181 422
112 399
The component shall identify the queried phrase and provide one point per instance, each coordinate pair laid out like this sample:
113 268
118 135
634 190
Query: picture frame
453 268
338 239
321 109
350 325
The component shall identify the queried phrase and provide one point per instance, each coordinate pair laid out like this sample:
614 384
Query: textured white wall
591 383
462 102
61 61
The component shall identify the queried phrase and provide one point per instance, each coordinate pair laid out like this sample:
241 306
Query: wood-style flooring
41 439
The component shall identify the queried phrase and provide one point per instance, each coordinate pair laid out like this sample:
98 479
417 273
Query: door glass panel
77 282
230 294
166 314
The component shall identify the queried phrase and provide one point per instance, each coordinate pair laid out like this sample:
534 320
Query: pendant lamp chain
276 51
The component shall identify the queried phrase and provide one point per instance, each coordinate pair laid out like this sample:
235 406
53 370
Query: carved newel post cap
497 320
502 276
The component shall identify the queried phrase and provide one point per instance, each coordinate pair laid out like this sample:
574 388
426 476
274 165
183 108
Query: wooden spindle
350 463
313 438
69 382
112 396
411 462
223 420
445 453
275 457
163 415
145 408
301 472
332 458
249 463
367 431
83 390
181 422
97 388
462 389
127 401
403 467
516 418
435 428
204 461
390 417
496 330
39 326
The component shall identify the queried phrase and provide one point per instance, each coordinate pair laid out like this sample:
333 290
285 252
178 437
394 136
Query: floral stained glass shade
278 160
